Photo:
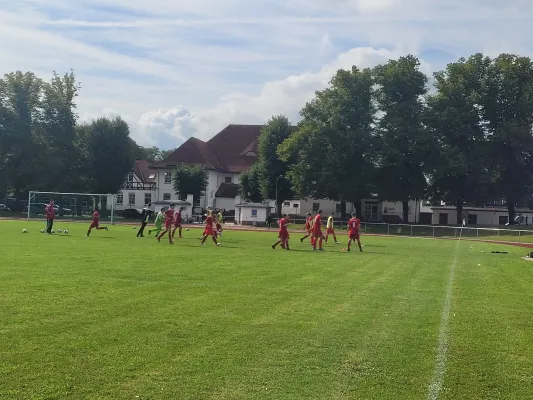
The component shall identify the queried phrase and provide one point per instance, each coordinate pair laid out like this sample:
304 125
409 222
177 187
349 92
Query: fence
449 232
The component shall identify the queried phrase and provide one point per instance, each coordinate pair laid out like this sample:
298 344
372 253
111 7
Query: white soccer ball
42 230
187 229
24 231
59 231
134 227
53 231
65 232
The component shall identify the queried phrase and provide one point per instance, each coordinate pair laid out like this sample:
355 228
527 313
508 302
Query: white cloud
237 61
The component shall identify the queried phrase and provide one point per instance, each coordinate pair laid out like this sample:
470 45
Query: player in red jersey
96 222
283 235
318 236
354 225
209 230
169 218
308 227
178 220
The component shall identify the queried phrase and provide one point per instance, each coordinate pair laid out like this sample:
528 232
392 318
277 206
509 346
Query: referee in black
145 217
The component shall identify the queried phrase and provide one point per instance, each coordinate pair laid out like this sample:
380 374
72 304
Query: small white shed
251 214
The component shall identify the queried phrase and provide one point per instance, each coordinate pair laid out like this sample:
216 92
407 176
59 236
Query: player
354 226
318 236
330 230
96 222
283 235
178 220
169 218
308 227
159 218
50 214
219 222
209 231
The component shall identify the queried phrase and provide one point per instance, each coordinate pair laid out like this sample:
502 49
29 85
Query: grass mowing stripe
442 355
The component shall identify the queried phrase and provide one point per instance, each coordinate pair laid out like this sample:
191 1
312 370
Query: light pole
281 176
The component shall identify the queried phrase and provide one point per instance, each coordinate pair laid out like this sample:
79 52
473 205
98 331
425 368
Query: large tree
107 156
459 170
190 179
332 150
250 184
506 106
273 182
404 143
21 147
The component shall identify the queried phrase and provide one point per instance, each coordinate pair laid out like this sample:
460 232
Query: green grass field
114 317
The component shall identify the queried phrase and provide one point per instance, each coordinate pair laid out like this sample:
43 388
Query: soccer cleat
301 240
219 244
320 249
273 247
106 229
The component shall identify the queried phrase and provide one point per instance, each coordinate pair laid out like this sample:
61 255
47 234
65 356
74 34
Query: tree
151 154
59 120
273 183
333 146
190 179
459 170
250 185
404 143
506 106
107 155
20 145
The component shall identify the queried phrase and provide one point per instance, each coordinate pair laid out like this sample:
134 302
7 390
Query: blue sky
174 69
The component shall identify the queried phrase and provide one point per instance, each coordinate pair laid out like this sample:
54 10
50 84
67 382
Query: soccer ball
134 227
59 231
42 230
187 229
65 232
24 231
53 231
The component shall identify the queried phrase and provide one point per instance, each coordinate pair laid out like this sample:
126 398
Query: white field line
435 386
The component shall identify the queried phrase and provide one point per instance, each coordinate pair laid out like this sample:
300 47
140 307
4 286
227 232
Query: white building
480 216
139 189
225 156
251 214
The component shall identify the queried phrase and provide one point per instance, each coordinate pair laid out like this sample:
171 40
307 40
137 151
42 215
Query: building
480 216
251 214
139 188
225 156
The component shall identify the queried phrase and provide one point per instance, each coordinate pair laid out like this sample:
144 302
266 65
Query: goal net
72 206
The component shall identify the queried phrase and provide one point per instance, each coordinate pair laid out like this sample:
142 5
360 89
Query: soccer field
115 317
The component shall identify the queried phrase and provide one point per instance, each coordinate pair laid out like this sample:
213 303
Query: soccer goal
72 206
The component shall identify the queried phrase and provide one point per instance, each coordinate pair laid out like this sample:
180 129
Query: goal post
72 206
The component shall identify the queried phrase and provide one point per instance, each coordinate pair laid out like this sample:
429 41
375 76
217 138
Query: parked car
3 207
132 213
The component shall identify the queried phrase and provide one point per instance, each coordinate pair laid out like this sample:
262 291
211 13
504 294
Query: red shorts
168 224
177 224
283 235
317 233
94 224
331 231
354 235
209 231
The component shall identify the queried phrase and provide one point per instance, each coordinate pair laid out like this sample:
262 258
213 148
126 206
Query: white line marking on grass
435 386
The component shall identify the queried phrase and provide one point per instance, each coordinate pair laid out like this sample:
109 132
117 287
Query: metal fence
497 234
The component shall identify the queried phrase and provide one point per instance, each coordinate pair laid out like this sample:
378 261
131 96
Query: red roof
225 152
143 171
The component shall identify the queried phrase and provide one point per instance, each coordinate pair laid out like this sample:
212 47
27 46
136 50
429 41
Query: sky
180 68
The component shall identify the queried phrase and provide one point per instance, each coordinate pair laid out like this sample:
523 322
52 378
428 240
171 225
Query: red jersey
209 222
317 226
353 225
50 211
169 214
283 225
96 216
177 218
308 222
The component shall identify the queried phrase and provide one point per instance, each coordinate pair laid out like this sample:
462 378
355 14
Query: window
287 204
147 198
503 219
130 177
254 213
168 177
120 198
472 219
316 207
152 176
228 179
166 196
295 205
131 198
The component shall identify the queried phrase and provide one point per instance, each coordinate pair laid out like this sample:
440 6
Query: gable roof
227 190
225 152
143 171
